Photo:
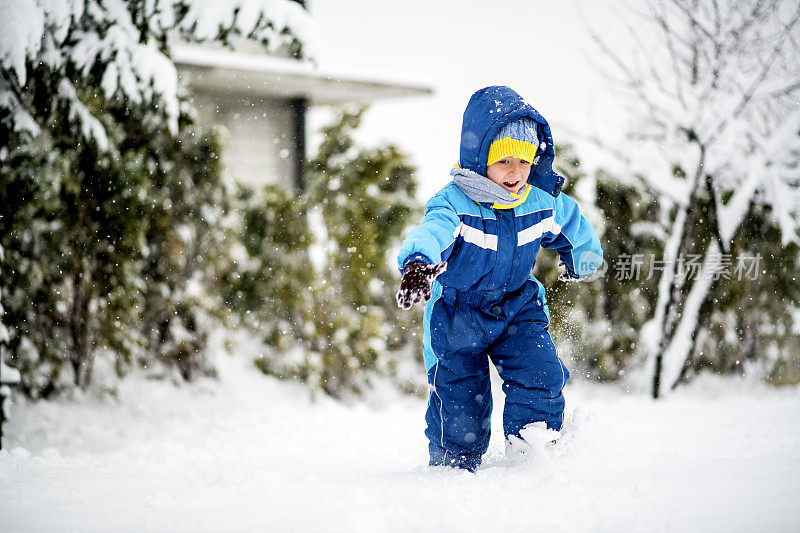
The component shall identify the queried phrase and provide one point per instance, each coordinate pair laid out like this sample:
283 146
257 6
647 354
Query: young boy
471 258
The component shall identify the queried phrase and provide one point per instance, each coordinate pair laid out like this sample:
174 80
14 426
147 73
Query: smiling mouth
510 184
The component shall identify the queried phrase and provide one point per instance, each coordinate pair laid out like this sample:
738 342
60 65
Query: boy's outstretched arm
424 252
575 240
431 241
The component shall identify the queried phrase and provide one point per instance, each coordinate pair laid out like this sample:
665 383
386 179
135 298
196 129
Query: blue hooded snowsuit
487 302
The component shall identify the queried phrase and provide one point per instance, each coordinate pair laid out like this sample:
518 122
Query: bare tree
713 89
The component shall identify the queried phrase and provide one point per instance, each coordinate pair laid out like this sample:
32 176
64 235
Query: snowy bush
105 252
320 290
366 199
596 324
107 187
746 325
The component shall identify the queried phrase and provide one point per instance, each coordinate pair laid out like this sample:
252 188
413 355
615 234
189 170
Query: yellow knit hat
515 139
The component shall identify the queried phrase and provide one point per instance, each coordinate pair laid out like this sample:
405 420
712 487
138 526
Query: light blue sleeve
574 238
432 240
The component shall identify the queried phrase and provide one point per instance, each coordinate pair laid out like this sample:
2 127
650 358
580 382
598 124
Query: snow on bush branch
714 88
121 48
711 91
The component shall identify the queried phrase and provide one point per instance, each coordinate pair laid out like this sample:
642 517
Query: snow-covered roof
228 71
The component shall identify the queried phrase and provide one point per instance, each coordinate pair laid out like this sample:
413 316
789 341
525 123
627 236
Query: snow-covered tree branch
713 97
121 49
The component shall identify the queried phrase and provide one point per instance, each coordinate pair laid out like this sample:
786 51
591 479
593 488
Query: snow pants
463 330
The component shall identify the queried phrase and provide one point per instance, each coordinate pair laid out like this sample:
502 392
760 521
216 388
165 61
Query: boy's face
510 173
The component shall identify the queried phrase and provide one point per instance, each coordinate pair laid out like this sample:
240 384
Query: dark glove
416 282
564 275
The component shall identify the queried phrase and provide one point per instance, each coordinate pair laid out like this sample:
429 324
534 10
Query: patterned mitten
416 282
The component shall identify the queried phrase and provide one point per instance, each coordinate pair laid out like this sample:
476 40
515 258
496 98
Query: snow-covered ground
250 453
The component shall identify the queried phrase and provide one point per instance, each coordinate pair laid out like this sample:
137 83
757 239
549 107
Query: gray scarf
480 188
